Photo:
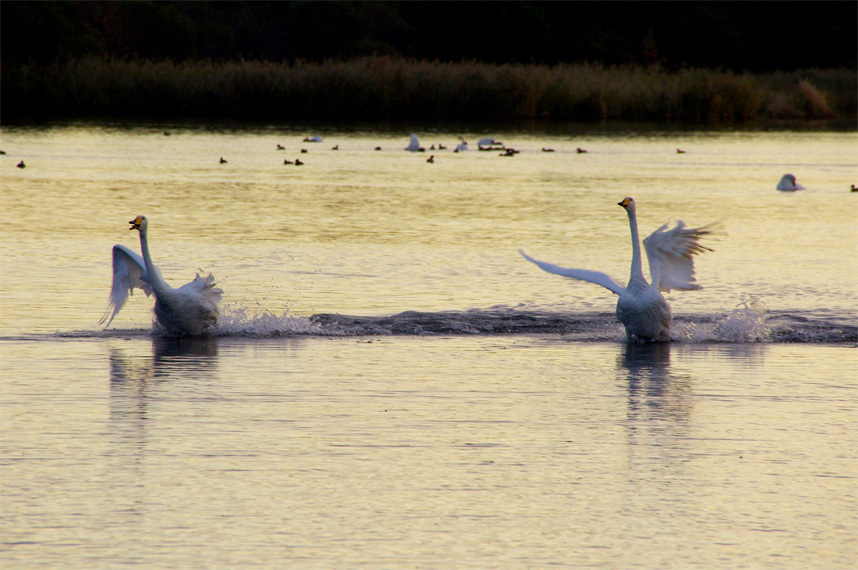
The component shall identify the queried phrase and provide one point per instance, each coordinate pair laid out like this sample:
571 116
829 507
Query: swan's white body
641 308
190 310
788 183
488 141
414 145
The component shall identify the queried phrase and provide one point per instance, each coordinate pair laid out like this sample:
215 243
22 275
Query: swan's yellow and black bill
624 203
135 223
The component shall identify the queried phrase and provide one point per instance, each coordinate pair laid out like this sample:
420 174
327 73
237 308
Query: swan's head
627 203
139 223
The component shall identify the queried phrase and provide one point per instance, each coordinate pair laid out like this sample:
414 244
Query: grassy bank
382 88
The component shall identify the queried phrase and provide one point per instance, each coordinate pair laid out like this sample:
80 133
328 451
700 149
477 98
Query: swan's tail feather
205 286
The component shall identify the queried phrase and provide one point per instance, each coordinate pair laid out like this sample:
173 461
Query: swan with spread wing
641 308
190 310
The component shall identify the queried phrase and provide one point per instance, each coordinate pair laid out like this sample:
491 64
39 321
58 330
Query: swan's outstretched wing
671 256
129 272
596 277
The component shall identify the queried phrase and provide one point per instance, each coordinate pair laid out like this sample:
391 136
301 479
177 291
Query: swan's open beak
135 224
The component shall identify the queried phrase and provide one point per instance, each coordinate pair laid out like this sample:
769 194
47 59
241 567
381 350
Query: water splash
241 321
746 323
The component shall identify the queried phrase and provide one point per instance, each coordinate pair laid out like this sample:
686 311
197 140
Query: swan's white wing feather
596 277
204 287
671 256
129 272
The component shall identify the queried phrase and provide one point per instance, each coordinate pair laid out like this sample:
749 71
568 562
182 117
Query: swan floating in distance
462 146
789 184
190 310
641 308
316 138
414 144
489 141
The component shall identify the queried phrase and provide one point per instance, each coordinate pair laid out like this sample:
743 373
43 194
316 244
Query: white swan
489 141
788 183
414 145
641 307
190 310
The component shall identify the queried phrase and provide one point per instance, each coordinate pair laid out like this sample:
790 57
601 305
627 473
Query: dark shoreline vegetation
389 88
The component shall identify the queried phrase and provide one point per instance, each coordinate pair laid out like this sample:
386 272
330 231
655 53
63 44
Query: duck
431 159
222 160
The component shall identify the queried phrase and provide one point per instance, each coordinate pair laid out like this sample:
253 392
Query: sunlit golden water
421 451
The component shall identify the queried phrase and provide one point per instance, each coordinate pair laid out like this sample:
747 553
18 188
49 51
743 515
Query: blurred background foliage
738 36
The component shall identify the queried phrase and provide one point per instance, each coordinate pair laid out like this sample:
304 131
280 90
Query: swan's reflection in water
655 391
140 372
658 414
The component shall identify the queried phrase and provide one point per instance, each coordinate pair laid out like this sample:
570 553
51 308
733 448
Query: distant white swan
315 138
414 145
190 310
462 146
788 183
641 307
489 141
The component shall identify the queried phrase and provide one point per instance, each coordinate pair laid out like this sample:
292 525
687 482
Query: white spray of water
746 323
241 321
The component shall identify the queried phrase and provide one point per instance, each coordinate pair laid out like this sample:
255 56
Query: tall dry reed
386 88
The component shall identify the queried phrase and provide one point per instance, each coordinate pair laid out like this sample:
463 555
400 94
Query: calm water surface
392 386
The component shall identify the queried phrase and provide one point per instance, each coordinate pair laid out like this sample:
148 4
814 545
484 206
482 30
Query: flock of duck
787 183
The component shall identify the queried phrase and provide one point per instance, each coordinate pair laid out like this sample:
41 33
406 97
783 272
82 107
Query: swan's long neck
158 284
637 264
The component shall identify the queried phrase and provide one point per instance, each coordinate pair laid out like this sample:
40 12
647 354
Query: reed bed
386 88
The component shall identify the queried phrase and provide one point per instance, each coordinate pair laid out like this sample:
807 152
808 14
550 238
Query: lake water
393 386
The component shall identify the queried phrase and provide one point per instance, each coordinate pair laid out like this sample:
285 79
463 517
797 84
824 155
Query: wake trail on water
750 322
